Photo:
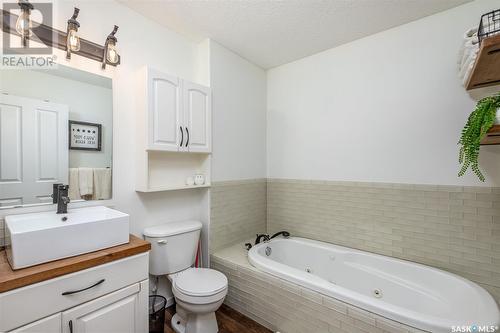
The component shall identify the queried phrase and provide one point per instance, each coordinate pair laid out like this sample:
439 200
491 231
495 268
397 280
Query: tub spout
285 234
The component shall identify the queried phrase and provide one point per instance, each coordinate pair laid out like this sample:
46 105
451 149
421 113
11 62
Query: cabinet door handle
187 141
70 326
80 290
182 136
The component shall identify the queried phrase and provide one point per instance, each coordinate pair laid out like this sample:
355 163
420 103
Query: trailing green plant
478 123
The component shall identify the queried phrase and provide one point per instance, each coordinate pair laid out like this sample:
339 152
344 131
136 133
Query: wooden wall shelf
492 137
486 71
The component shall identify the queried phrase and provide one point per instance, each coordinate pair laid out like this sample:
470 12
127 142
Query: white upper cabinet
197 117
178 113
164 111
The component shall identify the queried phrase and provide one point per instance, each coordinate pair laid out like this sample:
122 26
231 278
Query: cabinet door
164 112
50 324
197 112
123 311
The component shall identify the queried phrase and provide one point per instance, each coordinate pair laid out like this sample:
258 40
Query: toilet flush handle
161 242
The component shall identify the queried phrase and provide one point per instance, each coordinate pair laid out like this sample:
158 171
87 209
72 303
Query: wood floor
229 321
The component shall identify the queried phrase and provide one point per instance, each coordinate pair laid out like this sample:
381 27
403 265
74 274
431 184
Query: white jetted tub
416 295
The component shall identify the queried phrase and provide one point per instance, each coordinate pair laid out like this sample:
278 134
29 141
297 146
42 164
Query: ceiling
271 33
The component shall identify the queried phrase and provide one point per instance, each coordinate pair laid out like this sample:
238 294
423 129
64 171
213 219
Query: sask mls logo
474 329
27 37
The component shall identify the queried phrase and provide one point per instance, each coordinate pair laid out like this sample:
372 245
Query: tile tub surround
238 211
449 227
284 306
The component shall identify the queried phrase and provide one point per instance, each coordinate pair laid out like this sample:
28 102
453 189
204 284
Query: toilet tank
173 246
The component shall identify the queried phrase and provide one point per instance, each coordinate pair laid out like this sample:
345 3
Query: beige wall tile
238 211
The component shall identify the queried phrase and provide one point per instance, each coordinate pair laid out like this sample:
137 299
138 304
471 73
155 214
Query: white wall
239 116
86 102
386 108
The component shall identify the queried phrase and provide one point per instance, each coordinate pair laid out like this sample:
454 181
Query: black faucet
261 236
285 234
55 190
62 199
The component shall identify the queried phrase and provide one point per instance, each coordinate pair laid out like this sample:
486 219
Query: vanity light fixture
72 38
110 55
69 40
23 23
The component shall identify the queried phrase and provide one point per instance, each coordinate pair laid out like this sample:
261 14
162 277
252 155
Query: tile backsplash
238 211
450 227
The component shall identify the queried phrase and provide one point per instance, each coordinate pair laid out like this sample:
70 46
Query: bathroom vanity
103 291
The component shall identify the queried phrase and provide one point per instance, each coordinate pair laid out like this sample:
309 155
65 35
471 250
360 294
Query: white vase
497 118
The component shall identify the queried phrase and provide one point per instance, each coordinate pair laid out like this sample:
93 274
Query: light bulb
23 24
112 54
73 40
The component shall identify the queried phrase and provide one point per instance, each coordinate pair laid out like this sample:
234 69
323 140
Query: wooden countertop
10 279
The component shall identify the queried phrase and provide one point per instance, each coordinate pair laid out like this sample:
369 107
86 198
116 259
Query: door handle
80 290
187 141
70 324
182 136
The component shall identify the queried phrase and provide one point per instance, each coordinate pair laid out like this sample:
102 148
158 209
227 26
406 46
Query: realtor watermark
37 52
474 329
28 62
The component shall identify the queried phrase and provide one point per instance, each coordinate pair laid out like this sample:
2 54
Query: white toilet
198 292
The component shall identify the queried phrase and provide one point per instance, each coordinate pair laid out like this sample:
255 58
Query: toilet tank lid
172 228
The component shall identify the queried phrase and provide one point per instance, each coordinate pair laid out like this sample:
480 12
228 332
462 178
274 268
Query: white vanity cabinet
50 324
112 297
173 114
121 311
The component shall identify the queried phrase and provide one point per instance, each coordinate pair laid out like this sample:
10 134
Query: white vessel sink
41 237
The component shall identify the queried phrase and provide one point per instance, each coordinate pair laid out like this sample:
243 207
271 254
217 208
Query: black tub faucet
62 199
262 236
285 234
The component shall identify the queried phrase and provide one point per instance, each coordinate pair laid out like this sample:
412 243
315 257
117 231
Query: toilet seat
199 285
200 282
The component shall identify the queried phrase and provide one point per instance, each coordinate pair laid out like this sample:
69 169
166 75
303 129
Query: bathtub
416 295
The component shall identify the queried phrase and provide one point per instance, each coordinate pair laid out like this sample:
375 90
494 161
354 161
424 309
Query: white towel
471 32
86 177
467 64
469 49
102 183
74 187
468 72
469 45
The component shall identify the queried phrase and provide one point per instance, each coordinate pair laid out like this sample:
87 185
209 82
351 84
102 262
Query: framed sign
84 136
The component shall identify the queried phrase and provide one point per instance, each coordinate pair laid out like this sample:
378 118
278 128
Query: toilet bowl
198 292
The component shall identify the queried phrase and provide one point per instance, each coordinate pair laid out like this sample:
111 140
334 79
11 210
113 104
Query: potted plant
478 123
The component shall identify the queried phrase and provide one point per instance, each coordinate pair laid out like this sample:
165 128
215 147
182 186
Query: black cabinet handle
187 141
182 136
80 290
70 326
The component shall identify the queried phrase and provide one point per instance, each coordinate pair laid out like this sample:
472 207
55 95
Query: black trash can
157 305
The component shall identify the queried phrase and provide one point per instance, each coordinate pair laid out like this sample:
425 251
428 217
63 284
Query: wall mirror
55 127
